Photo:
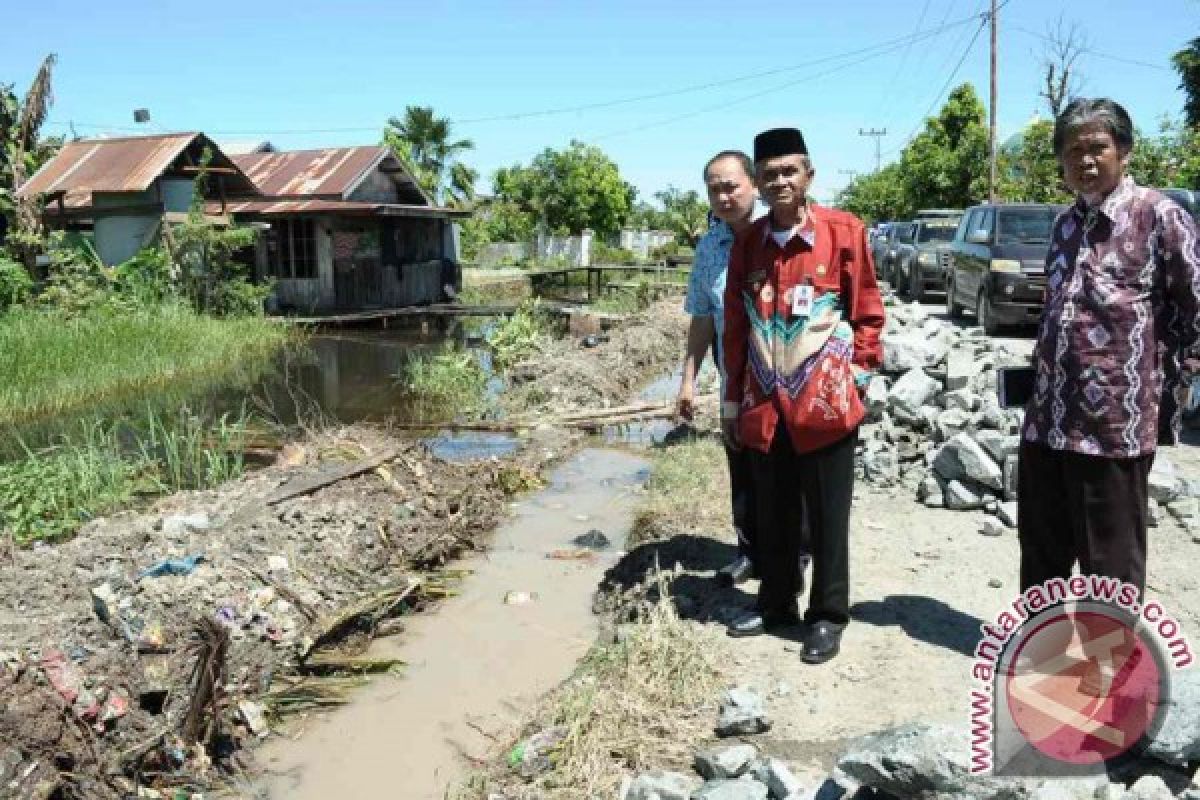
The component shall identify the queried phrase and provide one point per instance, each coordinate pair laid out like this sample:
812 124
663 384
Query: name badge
802 300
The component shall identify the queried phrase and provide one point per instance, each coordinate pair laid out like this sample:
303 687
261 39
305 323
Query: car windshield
936 233
1028 226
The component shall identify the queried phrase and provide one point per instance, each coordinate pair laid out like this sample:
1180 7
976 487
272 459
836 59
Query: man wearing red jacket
803 317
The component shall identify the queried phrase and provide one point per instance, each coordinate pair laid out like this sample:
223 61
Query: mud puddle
476 663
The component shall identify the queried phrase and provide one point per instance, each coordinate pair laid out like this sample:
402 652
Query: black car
919 258
884 249
998 263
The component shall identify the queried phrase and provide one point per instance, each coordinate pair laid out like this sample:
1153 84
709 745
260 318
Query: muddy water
477 663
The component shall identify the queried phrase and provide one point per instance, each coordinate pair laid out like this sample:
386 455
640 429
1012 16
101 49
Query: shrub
15 284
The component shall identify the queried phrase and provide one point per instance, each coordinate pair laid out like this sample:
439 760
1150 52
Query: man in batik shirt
1121 310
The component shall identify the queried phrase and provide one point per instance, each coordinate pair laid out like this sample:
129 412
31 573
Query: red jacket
805 369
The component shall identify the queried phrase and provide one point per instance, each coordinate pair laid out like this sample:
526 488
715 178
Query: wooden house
349 230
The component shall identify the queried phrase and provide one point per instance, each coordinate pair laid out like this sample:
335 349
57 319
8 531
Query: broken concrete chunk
959 497
1178 741
729 762
962 458
1149 787
740 789
992 527
779 780
913 390
1164 483
743 711
661 785
951 423
1010 478
961 399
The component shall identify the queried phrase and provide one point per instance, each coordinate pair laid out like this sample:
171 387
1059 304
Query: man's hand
685 403
729 430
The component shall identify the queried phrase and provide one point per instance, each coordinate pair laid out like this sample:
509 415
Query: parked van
998 263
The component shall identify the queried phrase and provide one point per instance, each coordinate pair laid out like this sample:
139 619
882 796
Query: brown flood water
476 665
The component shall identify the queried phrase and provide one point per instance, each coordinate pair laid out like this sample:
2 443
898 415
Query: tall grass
102 467
445 385
519 336
54 363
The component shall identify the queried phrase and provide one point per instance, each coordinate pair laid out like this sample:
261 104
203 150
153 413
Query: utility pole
992 121
878 134
853 173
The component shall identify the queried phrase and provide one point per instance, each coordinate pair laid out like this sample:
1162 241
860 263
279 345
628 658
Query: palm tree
423 141
22 151
461 191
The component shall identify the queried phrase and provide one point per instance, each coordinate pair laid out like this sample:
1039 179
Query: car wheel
953 309
985 314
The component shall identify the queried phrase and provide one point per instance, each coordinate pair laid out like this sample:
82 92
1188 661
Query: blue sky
320 74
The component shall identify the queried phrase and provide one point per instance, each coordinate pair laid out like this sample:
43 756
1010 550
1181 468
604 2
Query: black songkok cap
779 142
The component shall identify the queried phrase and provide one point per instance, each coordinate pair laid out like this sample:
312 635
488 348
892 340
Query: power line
1097 53
887 46
888 97
938 97
746 98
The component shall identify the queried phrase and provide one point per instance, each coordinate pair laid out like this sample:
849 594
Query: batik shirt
1121 309
801 370
706 284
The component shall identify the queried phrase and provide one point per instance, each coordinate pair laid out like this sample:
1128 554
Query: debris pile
931 762
935 426
141 655
558 379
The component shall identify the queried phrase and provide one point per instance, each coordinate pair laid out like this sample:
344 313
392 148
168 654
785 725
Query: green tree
570 189
1187 64
495 221
684 213
877 196
1172 158
945 166
22 152
423 141
1029 173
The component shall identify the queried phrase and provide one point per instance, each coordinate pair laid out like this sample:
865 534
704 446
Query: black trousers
793 488
742 501
1081 508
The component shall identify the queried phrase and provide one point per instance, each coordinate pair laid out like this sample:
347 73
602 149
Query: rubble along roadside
876 721
147 653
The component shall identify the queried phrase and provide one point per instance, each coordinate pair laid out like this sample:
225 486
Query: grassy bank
688 489
630 706
54 363
101 467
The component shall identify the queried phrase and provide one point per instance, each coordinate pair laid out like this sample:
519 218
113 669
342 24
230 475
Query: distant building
344 229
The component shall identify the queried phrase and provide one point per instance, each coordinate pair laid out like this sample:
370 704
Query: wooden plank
304 486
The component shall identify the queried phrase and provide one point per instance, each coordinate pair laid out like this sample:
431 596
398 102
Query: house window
295 249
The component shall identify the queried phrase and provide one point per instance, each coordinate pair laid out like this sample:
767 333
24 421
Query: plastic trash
172 566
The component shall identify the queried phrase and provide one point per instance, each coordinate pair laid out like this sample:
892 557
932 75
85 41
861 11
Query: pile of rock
935 425
924 762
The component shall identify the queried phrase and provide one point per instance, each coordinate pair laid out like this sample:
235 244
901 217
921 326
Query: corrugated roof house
124 188
344 228
350 229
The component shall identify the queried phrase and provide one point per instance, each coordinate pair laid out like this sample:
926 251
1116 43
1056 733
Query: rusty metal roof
270 208
331 173
129 164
